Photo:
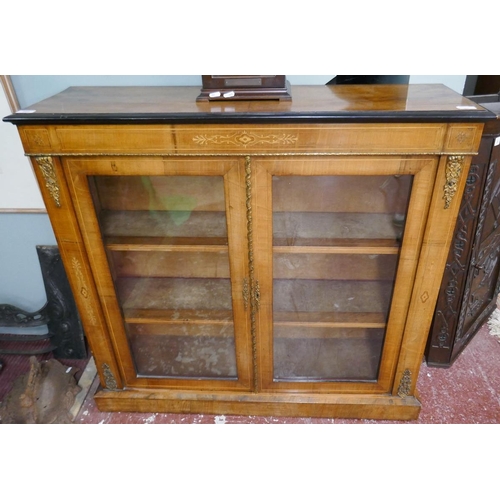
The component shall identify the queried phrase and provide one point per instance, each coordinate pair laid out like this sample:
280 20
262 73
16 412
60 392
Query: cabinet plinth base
380 407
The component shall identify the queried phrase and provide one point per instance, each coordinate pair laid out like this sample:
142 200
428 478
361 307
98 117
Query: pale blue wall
33 88
21 281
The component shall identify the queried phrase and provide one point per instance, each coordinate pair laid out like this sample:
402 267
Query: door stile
261 198
236 212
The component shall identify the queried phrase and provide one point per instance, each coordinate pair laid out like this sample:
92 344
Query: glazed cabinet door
166 240
336 244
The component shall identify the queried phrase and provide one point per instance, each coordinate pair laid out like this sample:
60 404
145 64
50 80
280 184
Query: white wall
21 282
18 187
455 82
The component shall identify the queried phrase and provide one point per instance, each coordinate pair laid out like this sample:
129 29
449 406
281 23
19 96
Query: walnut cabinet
266 258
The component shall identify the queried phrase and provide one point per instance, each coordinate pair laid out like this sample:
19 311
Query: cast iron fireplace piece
65 337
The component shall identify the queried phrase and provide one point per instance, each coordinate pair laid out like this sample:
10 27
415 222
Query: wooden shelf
329 319
336 229
334 266
170 263
185 227
182 317
366 250
322 296
165 244
174 294
130 244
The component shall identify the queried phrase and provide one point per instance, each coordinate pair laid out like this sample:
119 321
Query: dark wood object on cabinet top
259 257
244 87
471 282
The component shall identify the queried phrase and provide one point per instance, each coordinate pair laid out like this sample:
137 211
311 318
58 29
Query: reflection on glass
166 242
336 243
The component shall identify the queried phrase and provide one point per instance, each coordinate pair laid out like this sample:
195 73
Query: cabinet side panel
437 238
51 179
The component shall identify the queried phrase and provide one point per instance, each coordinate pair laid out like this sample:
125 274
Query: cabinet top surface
313 103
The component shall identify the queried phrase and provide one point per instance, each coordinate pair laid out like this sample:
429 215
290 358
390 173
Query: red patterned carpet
466 393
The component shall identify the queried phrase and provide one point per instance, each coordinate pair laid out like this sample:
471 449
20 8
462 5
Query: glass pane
168 210
335 253
327 353
205 351
339 210
166 242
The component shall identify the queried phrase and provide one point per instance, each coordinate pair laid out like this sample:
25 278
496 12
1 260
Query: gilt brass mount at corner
405 384
49 175
109 378
454 166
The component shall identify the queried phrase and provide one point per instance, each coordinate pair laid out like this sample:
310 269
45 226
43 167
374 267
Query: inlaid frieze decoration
77 268
245 139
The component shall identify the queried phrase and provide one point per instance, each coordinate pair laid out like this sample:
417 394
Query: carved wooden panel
470 283
449 301
485 263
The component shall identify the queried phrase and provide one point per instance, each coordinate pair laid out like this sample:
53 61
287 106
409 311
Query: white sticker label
26 111
466 107
229 94
497 141
214 94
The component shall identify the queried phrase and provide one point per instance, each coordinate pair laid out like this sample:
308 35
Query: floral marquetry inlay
245 139
77 268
